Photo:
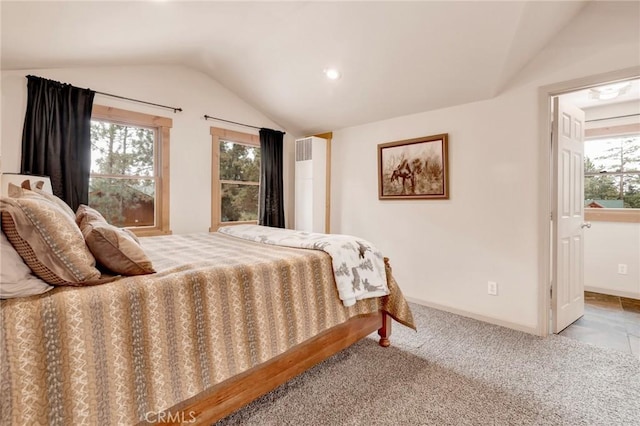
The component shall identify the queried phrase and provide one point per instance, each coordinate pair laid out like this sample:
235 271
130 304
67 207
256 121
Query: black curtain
56 138
271 207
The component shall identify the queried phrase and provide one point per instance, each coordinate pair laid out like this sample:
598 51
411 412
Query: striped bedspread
114 353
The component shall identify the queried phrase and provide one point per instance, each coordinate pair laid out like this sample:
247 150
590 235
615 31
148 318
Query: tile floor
608 321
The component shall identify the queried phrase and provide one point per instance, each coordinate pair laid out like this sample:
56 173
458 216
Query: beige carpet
458 371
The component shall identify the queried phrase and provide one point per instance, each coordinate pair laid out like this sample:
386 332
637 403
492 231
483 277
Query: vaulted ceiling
396 58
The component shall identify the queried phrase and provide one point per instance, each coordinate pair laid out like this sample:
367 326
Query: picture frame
414 168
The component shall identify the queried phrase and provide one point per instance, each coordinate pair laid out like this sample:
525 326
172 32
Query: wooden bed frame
234 393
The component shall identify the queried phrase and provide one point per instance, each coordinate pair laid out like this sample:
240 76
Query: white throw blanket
358 267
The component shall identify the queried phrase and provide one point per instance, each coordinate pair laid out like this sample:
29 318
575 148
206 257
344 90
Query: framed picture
414 169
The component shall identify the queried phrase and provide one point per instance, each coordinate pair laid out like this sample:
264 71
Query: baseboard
479 317
619 293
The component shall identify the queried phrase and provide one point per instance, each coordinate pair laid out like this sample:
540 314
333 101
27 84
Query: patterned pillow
26 191
114 248
48 241
58 201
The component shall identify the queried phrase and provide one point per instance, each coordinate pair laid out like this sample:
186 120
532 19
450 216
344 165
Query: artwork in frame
414 168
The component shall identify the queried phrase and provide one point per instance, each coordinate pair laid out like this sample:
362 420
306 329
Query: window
235 177
612 174
129 179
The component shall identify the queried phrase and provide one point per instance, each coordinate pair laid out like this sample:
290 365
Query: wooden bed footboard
234 393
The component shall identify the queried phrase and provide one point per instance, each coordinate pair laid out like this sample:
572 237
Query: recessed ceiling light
332 73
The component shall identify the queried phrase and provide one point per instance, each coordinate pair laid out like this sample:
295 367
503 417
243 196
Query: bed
222 322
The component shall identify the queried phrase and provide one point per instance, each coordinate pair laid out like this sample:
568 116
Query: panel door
568 218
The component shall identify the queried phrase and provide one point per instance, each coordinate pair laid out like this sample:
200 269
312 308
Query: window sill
149 232
612 215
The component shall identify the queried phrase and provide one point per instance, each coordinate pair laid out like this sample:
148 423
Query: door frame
547 203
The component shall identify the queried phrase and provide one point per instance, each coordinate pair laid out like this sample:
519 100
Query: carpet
457 371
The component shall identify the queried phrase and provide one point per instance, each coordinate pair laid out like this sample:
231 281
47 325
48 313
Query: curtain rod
208 117
175 109
611 118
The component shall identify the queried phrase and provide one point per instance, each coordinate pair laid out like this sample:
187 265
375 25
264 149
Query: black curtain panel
271 207
56 138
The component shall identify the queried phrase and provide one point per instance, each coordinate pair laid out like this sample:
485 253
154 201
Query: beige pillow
114 248
48 241
58 201
19 192
86 213
89 214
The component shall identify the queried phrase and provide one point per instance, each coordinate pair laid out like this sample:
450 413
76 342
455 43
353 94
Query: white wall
608 244
444 252
194 92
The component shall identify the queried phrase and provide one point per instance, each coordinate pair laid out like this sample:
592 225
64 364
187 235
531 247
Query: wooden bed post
385 331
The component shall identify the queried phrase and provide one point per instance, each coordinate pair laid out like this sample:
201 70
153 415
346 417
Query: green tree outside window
240 178
612 171
122 181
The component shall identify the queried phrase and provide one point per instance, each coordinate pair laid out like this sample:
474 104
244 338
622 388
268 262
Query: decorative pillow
89 214
58 201
114 248
86 213
16 279
48 241
132 235
26 191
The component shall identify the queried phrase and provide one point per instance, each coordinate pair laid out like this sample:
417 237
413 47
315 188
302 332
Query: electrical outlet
492 288
622 268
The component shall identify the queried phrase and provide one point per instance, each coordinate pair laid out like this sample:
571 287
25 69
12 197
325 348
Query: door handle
586 225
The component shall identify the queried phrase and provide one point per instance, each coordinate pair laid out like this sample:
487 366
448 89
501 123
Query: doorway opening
572 274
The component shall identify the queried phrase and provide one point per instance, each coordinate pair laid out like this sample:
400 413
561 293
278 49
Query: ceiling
396 58
586 98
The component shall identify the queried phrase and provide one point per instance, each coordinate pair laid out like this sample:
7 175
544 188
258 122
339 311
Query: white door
567 299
